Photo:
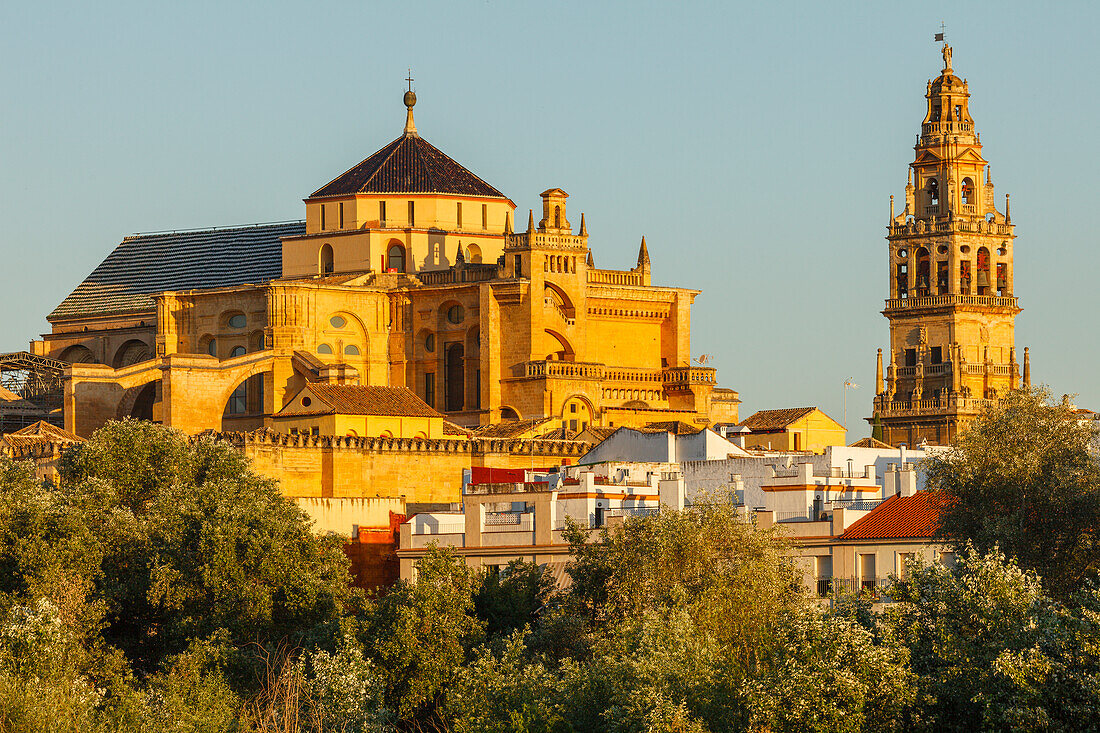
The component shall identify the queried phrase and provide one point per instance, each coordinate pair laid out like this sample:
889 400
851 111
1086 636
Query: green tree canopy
1022 479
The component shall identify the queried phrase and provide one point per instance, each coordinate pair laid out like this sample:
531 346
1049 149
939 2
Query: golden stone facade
952 307
408 272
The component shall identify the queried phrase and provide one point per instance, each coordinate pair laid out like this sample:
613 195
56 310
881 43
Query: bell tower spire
951 304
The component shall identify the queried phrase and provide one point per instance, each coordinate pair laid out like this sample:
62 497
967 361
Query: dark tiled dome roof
409 164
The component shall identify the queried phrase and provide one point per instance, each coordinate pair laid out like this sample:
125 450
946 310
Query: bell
983 279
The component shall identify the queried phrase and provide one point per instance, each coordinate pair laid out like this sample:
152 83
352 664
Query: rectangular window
341 215
823 570
484 216
412 213
937 354
458 215
867 572
910 357
382 213
573 407
904 558
964 277
1002 278
322 217
477 389
573 425
315 430
429 388
941 277
519 265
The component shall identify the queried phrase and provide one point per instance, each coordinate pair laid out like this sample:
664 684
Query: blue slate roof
144 265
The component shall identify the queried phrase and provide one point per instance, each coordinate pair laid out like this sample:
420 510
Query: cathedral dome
409 164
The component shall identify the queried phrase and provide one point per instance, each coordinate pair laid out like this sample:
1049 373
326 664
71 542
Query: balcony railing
941 301
874 588
563 369
473 273
614 277
690 375
509 521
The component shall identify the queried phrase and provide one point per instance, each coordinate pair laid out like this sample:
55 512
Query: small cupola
553 212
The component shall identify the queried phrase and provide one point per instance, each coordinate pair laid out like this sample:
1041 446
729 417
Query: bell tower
952 307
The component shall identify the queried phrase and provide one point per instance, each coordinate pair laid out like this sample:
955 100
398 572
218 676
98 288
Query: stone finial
460 258
643 254
507 222
530 220
879 382
410 102
1008 208
584 227
1027 367
590 262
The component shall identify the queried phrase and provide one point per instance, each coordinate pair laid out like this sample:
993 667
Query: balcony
876 589
561 370
509 521
950 300
677 376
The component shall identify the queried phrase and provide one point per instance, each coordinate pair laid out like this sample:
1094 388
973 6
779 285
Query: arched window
455 370
238 401
351 350
923 271
473 254
933 191
324 349
325 264
212 347
557 217
968 191
237 351
395 258
983 271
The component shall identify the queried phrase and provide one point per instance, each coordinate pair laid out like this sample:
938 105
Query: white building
525 520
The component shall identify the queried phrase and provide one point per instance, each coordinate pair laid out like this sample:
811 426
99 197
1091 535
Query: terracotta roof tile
775 419
909 517
357 399
449 428
410 164
871 443
50 431
676 427
510 429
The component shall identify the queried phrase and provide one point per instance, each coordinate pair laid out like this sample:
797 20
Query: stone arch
228 315
473 253
137 401
508 413
326 264
565 353
559 298
132 352
78 354
395 256
245 399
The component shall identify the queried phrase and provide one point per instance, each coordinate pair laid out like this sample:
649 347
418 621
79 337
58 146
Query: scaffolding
38 382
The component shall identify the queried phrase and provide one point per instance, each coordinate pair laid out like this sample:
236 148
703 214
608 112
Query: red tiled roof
410 164
870 443
775 419
510 428
915 516
676 427
46 430
358 399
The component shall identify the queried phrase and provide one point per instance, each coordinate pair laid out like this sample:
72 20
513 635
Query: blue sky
755 145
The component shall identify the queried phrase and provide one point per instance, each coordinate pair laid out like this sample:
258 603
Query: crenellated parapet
457 445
